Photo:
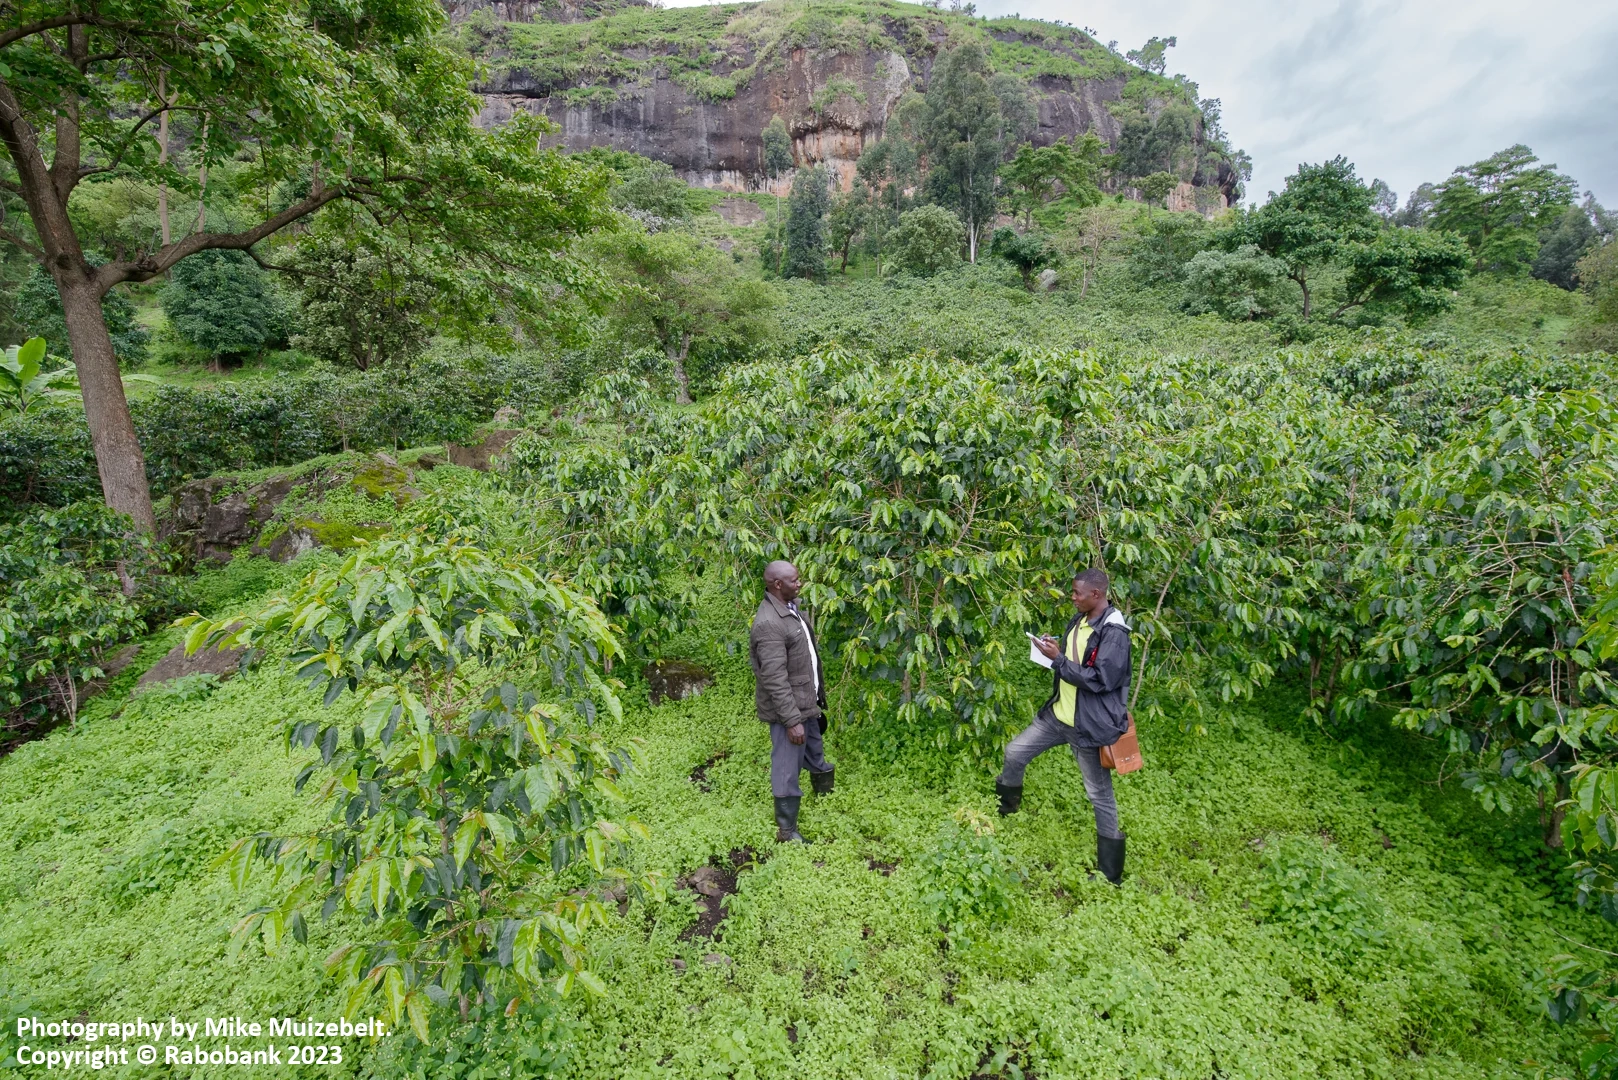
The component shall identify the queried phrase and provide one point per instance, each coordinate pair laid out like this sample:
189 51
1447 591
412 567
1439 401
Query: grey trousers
787 761
1045 732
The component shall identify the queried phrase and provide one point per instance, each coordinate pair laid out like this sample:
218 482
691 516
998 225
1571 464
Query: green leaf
537 788
501 828
465 837
416 1006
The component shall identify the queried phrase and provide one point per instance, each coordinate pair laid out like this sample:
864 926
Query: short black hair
1094 577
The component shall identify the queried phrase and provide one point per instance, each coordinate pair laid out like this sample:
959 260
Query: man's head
1090 591
781 580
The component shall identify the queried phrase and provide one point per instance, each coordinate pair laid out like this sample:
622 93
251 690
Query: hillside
383 550
695 87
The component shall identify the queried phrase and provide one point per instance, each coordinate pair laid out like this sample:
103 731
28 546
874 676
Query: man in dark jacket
1087 710
790 691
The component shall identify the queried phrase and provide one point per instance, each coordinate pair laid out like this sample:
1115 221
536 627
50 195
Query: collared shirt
810 638
1067 695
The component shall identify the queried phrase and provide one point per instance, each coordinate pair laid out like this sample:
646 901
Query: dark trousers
787 760
1046 732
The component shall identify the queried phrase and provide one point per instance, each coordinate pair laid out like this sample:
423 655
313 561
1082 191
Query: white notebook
1035 655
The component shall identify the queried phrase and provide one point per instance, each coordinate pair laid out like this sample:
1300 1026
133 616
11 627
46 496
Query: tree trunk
682 382
1554 814
163 159
112 433
202 182
1303 283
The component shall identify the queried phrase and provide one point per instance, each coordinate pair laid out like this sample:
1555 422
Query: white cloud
1406 89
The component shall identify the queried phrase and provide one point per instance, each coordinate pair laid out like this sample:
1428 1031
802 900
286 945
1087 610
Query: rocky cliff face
696 87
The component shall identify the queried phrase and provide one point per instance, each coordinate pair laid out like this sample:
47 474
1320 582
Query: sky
1406 89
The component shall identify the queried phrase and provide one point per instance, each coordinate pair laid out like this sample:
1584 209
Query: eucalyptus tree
362 103
961 131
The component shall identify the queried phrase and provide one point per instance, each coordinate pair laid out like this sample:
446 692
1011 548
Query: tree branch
150 266
52 23
98 58
290 270
129 140
13 238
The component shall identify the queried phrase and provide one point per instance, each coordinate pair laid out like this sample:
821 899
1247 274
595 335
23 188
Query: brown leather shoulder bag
1123 755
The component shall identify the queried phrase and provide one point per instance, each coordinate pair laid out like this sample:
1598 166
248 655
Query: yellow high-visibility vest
1067 694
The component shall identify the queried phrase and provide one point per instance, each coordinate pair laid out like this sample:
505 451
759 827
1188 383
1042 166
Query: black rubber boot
786 820
822 781
1010 797
1110 857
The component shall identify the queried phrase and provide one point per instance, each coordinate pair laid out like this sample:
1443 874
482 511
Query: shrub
221 302
652 193
536 1040
1028 252
1234 285
1165 245
1480 597
927 239
74 583
188 431
968 885
46 459
468 824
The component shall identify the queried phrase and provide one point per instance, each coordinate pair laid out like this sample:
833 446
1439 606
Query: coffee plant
471 824
74 584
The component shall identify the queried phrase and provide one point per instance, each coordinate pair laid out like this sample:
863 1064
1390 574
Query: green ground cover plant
1351 470
828 961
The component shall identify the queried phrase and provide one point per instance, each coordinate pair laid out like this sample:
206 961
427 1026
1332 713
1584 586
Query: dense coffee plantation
385 501
1324 696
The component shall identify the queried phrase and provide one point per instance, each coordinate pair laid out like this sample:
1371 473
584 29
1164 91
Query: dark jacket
1102 677
784 666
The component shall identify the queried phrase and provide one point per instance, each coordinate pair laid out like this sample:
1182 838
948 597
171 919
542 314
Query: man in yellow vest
1087 709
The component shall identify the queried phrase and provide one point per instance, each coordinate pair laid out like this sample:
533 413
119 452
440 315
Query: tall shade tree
961 131
361 302
1569 239
1499 204
1156 188
1407 271
681 293
806 225
1323 209
357 102
846 222
1033 175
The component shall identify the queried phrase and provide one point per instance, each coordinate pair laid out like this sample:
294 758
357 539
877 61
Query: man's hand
1048 647
795 734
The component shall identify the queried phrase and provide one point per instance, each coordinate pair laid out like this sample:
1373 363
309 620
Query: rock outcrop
282 517
836 90
676 680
